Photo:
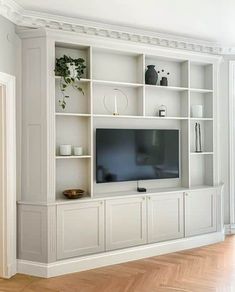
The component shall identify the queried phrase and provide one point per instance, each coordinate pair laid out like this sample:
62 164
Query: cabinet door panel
200 212
80 229
165 217
125 222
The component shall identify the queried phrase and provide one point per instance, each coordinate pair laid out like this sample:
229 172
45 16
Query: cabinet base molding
114 257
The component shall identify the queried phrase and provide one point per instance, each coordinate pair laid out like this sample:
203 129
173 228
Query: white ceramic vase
197 111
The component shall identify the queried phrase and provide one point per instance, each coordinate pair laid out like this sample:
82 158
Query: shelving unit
190 83
113 215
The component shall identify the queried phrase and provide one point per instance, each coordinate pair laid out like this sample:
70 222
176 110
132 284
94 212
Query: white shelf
138 117
201 119
117 116
201 153
200 90
72 115
81 80
74 157
173 88
166 118
116 83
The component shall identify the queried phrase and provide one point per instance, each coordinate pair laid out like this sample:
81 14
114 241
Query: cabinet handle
149 197
143 198
186 194
101 203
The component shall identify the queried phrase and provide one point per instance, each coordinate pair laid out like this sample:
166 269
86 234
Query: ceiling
211 20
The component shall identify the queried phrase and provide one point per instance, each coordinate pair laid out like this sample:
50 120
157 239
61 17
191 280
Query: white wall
10 63
9 47
224 132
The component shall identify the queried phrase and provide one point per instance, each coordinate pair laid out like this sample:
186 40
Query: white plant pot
65 150
73 72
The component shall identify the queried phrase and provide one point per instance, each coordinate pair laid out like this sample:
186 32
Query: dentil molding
32 19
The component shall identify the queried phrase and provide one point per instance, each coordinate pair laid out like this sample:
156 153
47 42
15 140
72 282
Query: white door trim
8 174
231 140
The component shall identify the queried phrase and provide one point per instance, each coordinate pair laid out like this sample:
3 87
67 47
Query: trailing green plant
68 78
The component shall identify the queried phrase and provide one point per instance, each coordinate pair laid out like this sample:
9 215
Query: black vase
164 81
151 75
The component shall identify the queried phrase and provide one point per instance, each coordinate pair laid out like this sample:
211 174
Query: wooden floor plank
206 269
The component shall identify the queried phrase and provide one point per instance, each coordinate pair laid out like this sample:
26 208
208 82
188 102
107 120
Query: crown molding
32 19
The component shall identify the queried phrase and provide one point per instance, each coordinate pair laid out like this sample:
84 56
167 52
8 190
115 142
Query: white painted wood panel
200 212
120 66
201 76
32 233
125 222
80 229
165 217
34 125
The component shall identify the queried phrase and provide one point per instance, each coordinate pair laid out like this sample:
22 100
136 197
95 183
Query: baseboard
115 257
229 229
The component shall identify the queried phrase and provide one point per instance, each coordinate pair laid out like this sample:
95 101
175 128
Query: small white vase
197 111
65 150
77 150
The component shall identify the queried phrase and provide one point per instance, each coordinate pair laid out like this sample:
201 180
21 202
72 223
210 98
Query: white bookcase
46 174
189 83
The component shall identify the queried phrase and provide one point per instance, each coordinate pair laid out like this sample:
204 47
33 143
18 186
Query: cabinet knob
101 203
143 198
149 197
186 194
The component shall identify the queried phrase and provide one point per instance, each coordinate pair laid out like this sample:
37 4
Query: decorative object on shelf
70 70
197 111
151 75
77 150
115 101
198 142
65 150
162 111
74 194
164 80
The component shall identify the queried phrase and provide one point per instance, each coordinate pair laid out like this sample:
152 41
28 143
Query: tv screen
131 154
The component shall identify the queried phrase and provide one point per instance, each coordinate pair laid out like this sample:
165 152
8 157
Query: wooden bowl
73 194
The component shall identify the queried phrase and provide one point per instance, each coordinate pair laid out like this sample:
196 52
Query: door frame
8 175
231 143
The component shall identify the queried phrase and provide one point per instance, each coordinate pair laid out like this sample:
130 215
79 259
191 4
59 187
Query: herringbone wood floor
206 269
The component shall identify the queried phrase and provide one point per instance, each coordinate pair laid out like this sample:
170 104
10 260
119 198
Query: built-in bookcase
189 83
73 126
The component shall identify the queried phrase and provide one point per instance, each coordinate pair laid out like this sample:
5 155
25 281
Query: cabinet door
80 229
165 217
125 222
200 212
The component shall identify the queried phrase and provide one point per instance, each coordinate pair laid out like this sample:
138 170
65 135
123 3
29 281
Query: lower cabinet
80 229
200 212
96 226
165 217
125 222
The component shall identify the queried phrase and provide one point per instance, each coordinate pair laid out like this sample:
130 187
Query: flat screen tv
136 154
